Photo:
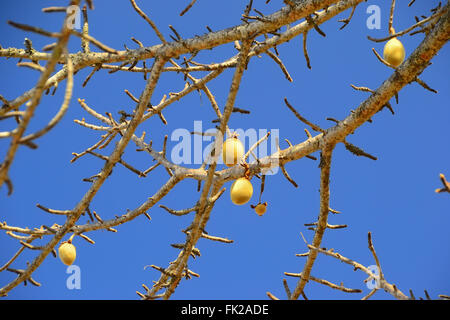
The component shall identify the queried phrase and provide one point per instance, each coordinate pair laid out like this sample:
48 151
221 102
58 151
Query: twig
54 9
446 184
125 164
14 257
424 85
305 50
407 30
358 151
326 283
178 212
391 18
52 211
95 42
316 27
372 249
36 97
31 65
62 110
312 125
94 70
188 7
286 288
93 147
254 146
280 63
271 296
150 22
347 20
325 164
362 88
288 177
370 294
218 239
382 60
85 31
239 110
37 30
175 32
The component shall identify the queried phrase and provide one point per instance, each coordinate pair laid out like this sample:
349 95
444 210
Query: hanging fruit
394 52
67 252
241 191
260 208
232 151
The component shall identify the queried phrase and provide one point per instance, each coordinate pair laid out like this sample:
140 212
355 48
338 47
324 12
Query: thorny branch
381 282
325 165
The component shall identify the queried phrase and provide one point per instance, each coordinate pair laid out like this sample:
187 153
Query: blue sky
392 197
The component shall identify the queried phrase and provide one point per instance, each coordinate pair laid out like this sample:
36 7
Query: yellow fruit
67 253
232 151
241 191
394 52
261 208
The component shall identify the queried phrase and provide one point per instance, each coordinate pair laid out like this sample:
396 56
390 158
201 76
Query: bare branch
325 165
40 87
299 117
326 283
188 7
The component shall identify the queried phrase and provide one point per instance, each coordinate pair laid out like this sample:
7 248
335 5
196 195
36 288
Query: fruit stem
70 239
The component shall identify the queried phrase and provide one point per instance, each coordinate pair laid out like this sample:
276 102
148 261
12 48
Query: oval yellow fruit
232 151
394 52
241 191
67 253
261 208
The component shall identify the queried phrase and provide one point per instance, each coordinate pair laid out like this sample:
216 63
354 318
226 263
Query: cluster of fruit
241 190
